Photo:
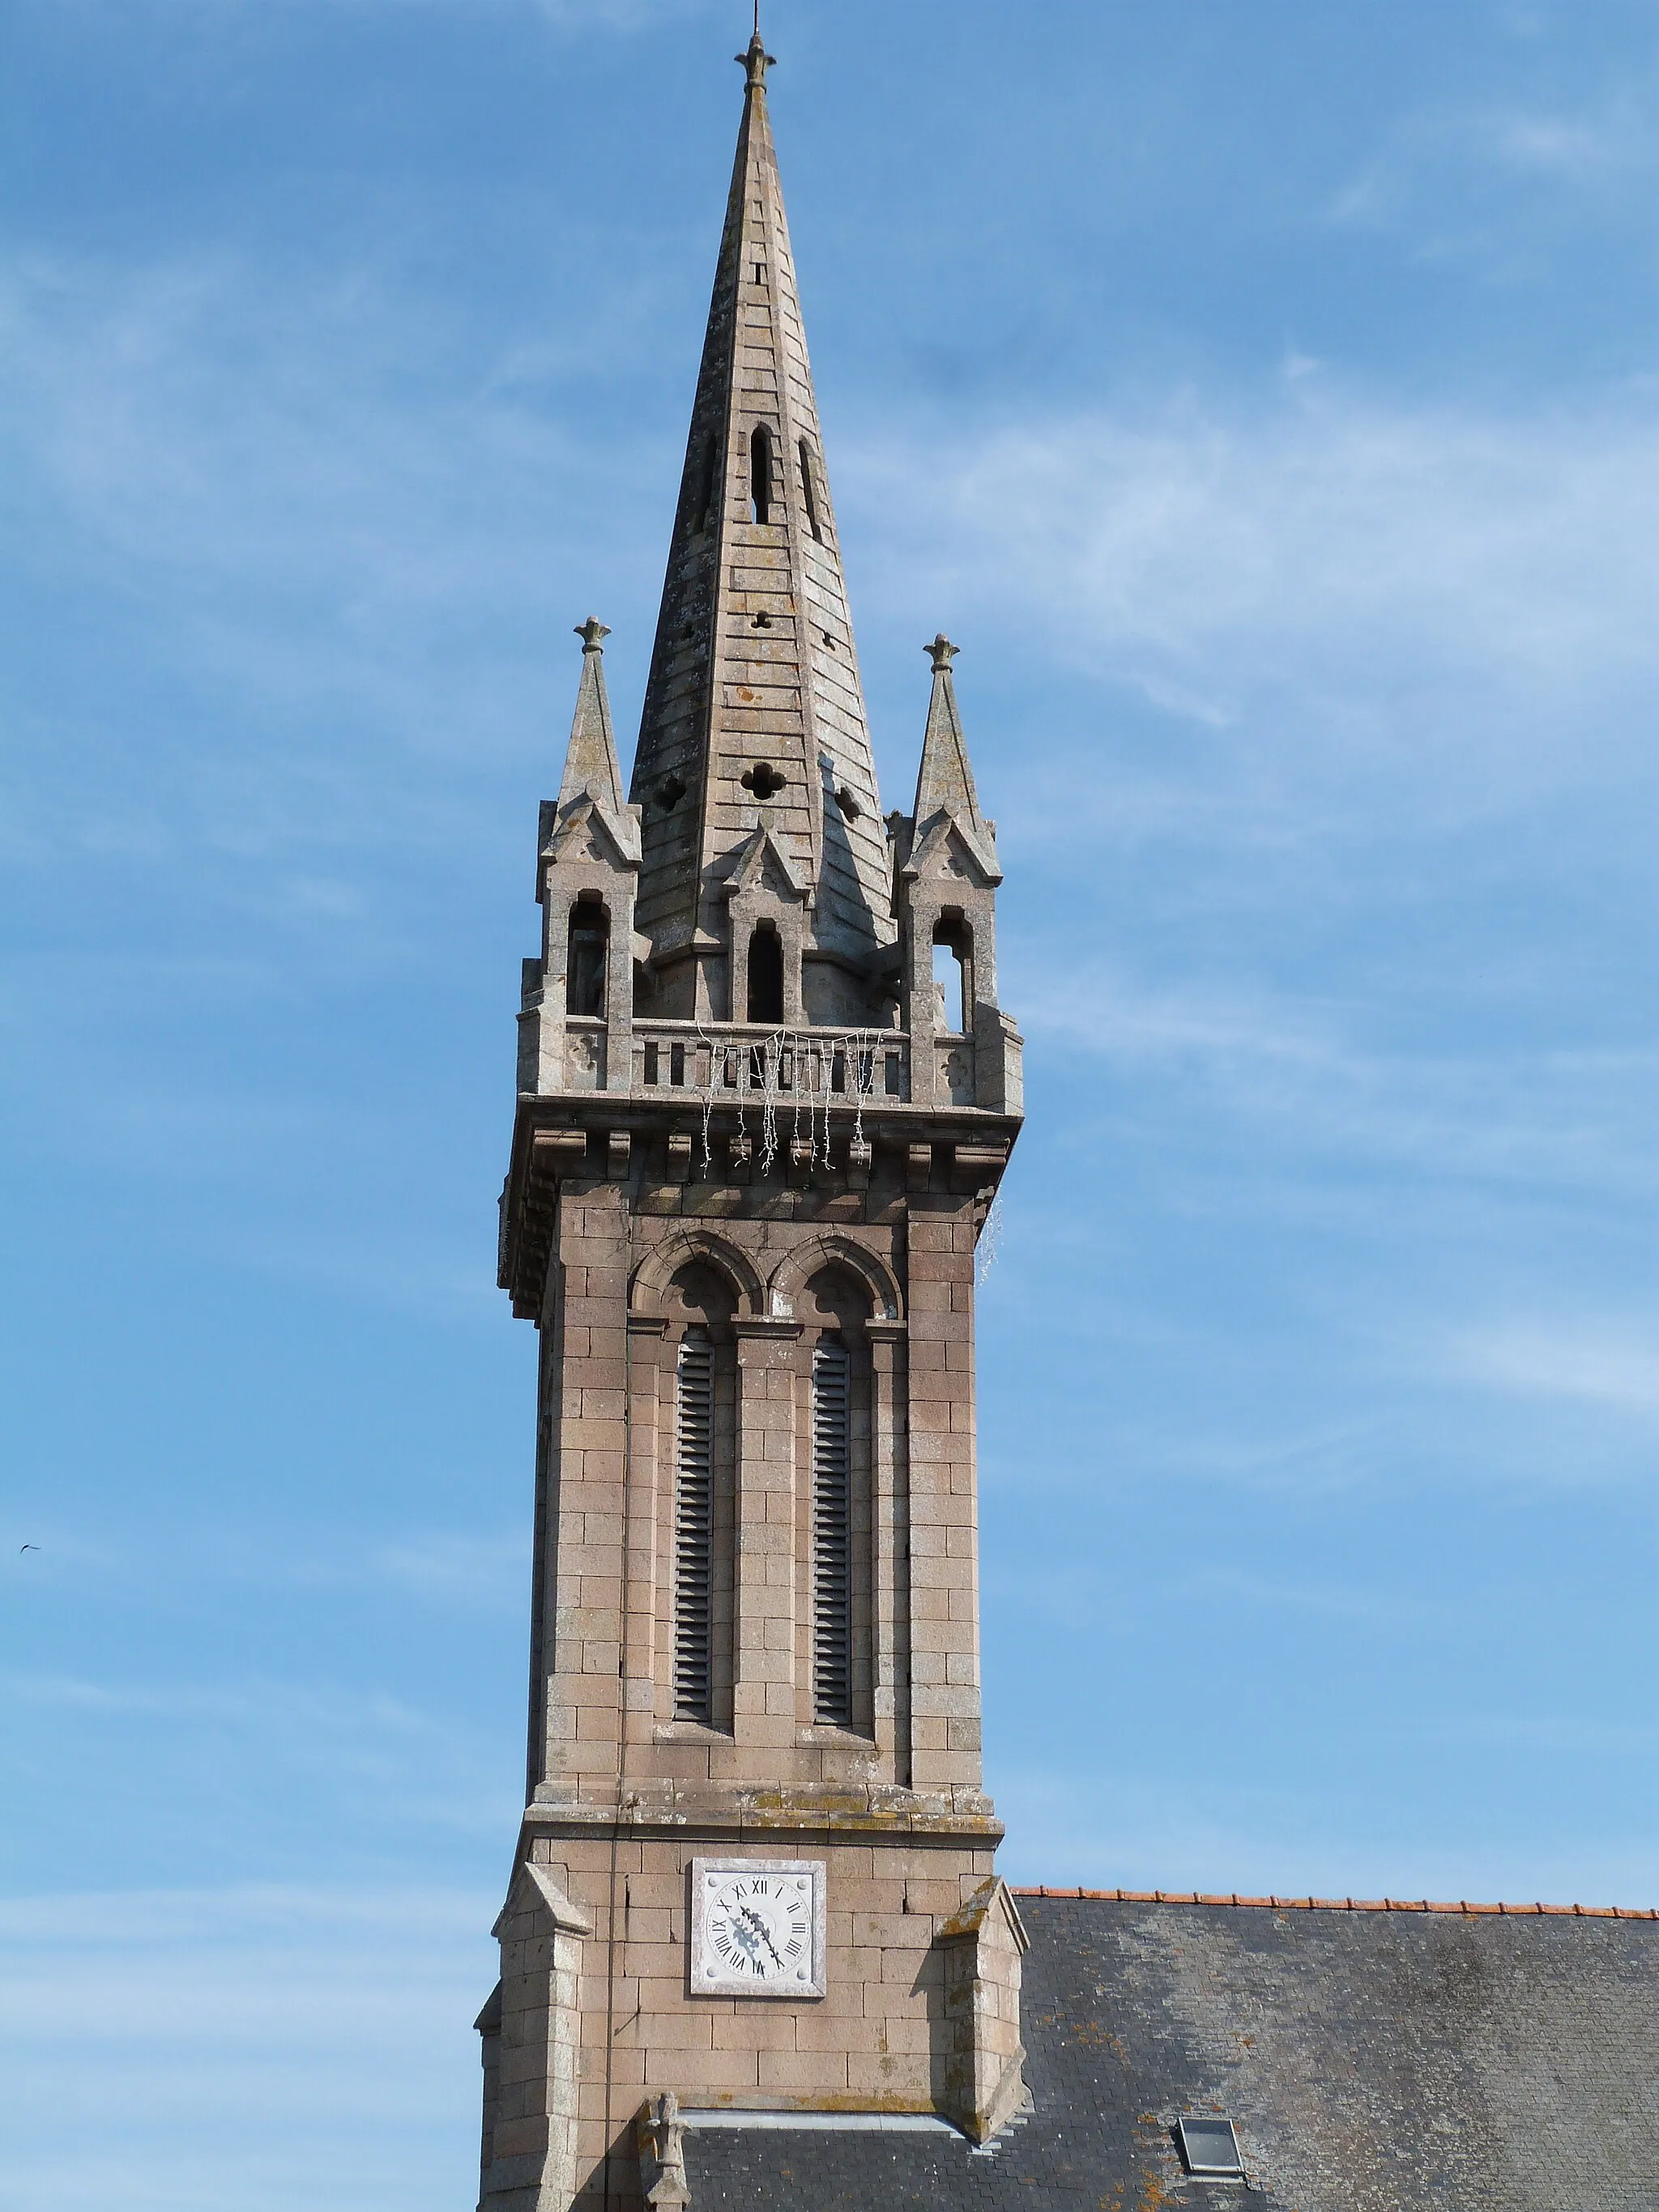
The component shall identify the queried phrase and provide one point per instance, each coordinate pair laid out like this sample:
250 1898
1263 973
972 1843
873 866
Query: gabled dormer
768 907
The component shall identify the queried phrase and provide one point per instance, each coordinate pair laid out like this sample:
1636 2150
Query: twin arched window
704 1548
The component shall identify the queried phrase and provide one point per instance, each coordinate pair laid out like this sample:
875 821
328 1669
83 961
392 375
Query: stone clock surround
710 1879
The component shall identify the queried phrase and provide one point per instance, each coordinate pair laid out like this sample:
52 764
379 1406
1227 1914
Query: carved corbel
662 2136
558 1153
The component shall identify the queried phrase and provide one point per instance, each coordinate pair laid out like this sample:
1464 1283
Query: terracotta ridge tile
1340 1904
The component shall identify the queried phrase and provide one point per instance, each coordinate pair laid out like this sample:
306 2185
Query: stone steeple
766 1097
754 719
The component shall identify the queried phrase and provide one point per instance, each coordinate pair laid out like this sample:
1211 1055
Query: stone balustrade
737 1060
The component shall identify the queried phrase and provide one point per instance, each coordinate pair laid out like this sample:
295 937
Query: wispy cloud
339 1749
408 1272
1447 178
1445 613
1236 1831
1586 1735
332 516
1612 1362
458 1569
332 1712
448 1569
1520 1116
263 2030
1073 1595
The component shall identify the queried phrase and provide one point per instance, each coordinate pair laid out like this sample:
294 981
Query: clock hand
760 1927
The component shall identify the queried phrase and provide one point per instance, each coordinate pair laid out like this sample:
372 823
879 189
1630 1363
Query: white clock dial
758 1927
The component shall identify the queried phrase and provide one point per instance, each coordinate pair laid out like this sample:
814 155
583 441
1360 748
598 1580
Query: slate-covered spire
945 782
753 716
590 760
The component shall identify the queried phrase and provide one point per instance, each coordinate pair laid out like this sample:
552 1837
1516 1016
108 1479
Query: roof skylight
1210 2147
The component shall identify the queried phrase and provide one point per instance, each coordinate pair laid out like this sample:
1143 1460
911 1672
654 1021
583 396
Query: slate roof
1373 2060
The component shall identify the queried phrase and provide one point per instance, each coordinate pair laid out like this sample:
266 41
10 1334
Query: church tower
756 1143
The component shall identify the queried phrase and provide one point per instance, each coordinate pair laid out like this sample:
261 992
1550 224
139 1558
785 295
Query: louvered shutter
694 1502
831 1561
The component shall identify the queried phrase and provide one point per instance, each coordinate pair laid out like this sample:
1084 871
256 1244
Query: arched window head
585 958
765 974
760 472
809 495
953 975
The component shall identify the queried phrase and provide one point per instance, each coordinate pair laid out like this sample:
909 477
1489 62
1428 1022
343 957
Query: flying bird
22 1548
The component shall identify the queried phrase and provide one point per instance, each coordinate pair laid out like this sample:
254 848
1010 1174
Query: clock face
758 1927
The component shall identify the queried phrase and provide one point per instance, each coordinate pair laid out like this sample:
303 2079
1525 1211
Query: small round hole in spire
670 791
763 779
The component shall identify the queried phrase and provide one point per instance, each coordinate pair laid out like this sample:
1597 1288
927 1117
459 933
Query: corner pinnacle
942 652
590 761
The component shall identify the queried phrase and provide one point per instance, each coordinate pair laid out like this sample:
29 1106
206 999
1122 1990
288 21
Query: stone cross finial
943 652
755 61
591 632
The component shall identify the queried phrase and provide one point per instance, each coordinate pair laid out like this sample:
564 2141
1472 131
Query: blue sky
1265 397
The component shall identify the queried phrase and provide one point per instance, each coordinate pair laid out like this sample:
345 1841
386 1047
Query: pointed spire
944 784
591 766
754 662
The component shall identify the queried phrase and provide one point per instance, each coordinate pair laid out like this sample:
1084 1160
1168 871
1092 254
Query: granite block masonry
766 1095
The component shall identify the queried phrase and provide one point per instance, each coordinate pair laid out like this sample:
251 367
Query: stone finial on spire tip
591 632
942 653
755 61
